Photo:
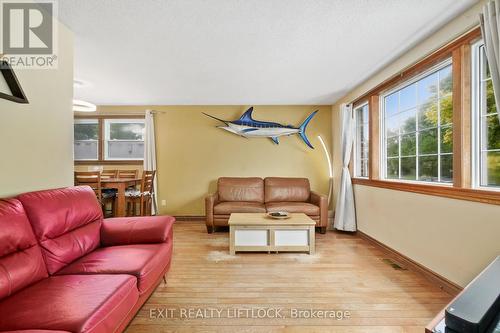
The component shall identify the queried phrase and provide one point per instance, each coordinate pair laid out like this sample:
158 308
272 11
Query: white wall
454 238
37 138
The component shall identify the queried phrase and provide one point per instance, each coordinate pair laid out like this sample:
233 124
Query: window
417 128
124 139
86 140
486 123
361 141
411 119
109 140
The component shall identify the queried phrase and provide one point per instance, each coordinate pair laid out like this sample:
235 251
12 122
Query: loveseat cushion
241 189
73 303
293 207
66 223
146 262
21 262
225 208
287 189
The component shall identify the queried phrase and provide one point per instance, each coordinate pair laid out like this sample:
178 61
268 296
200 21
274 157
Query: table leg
231 241
312 240
120 200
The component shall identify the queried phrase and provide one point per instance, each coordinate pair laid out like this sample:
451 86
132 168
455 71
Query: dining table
120 184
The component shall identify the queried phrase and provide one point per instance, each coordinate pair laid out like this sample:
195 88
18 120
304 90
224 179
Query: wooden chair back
128 174
147 181
90 178
109 174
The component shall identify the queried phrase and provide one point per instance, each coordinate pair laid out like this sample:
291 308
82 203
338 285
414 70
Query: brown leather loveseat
257 195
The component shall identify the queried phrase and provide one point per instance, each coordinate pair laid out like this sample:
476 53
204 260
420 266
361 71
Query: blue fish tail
302 129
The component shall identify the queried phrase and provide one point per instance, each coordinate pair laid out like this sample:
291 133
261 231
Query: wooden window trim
113 162
352 161
422 65
467 194
374 137
462 143
459 51
101 160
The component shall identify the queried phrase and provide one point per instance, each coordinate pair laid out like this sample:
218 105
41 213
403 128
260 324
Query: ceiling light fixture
82 106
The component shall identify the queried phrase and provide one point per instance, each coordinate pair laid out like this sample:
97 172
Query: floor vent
393 264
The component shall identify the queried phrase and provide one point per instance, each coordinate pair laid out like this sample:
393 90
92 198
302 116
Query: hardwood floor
346 274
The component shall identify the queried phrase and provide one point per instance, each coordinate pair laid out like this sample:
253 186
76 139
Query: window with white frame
486 123
361 141
123 139
86 140
417 133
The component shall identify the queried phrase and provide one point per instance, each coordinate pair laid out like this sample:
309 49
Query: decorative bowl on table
279 215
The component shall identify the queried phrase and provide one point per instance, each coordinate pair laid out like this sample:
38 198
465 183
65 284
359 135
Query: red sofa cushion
136 230
145 261
66 223
35 331
21 262
74 303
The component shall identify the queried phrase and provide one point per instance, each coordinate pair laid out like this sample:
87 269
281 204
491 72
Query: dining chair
143 197
128 174
93 179
109 173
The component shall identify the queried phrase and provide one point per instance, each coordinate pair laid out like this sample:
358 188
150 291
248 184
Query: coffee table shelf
258 232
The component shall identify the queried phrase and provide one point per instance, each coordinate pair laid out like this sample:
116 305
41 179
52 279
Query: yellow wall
193 153
37 138
454 238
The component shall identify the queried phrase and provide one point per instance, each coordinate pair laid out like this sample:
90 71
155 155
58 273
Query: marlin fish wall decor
248 127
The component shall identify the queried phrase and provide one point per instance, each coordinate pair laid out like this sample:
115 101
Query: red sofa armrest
136 230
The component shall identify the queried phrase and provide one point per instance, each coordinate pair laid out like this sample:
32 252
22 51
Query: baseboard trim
442 282
185 218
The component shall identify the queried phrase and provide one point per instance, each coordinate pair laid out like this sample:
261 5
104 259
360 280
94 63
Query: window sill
110 162
467 194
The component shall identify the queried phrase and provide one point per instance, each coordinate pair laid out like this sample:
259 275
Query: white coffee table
258 232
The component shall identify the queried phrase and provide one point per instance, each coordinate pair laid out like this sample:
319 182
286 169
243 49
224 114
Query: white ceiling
241 52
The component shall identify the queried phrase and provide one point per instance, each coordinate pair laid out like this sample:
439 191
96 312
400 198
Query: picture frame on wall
15 92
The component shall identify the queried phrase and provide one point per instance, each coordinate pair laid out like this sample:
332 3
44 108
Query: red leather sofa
63 268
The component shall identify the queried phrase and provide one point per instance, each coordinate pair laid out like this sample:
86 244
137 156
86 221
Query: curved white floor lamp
330 169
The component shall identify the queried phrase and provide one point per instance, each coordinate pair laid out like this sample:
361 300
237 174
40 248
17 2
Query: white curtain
150 154
490 31
345 214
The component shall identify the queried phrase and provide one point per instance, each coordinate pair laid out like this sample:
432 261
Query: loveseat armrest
136 230
210 201
321 201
